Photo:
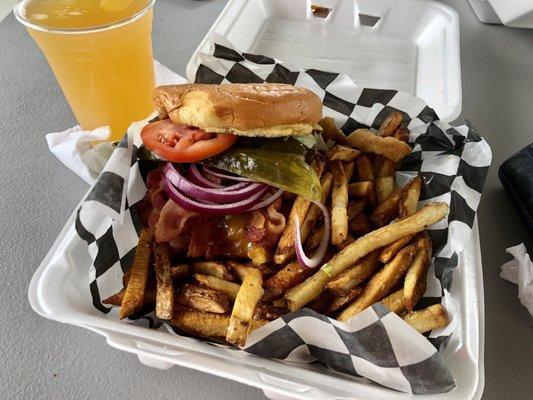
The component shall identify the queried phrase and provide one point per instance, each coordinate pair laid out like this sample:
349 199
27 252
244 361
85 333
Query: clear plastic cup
106 72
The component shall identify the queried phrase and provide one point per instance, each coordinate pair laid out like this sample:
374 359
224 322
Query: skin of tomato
195 152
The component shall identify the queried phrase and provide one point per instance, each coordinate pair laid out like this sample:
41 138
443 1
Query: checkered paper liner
376 344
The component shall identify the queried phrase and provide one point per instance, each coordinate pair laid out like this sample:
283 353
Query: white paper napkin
74 146
520 271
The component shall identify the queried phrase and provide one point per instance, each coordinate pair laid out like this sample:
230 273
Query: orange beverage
101 54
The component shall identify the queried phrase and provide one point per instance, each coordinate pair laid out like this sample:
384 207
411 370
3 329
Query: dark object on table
516 175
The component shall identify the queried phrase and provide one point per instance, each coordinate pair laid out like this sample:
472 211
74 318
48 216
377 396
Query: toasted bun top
265 109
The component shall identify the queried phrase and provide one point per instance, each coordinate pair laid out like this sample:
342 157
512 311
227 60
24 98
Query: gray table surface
42 359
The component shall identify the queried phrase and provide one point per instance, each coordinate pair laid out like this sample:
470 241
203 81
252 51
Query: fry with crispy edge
330 131
340 300
206 324
203 299
359 225
164 300
355 207
364 169
409 197
381 283
306 291
213 268
349 168
116 299
384 187
229 288
388 210
285 249
133 298
427 319
402 133
355 275
360 189
247 298
342 153
389 147
289 276
179 272
395 302
314 212
389 251
346 242
393 121
314 239
416 276
339 202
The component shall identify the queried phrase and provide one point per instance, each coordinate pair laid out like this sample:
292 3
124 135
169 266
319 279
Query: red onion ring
267 201
200 180
212 209
317 258
210 194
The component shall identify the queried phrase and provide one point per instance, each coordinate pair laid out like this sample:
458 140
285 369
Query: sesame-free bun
265 109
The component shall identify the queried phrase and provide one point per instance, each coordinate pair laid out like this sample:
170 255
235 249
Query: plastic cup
106 72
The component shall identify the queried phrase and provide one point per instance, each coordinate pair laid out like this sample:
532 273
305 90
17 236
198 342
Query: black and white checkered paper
376 344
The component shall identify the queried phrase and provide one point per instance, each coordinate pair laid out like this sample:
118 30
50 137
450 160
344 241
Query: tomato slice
182 143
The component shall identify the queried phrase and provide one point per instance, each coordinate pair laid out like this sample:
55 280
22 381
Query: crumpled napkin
520 271
75 147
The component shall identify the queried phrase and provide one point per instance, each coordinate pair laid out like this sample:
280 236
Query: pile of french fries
378 252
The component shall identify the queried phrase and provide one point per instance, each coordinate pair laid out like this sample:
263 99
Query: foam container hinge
408 45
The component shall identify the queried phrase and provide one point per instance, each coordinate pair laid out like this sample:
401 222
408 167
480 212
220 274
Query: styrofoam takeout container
59 289
407 45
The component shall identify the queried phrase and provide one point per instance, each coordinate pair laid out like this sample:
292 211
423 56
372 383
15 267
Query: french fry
229 288
205 324
342 153
389 147
384 187
213 268
381 283
427 319
287 277
306 291
416 276
179 272
409 197
359 225
164 301
385 168
314 212
360 189
389 251
364 169
330 131
314 239
339 301
116 299
280 303
355 275
268 312
249 294
346 242
355 207
388 210
395 302
339 202
402 133
203 299
391 124
133 298
320 303
285 249
349 168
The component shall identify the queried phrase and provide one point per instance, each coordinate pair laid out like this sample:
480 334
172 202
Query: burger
234 153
